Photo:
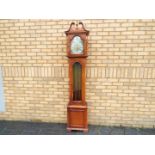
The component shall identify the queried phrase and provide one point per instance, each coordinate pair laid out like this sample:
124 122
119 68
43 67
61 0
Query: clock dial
77 45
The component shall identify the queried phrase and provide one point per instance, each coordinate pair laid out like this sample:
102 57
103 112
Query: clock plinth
77 117
77 44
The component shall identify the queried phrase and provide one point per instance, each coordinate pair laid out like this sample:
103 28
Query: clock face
76 45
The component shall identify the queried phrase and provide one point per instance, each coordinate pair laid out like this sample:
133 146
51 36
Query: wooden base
77 118
77 129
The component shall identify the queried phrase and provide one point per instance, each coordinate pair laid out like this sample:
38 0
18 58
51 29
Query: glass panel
77 81
77 45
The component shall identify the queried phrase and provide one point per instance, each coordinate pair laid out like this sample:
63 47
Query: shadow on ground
31 128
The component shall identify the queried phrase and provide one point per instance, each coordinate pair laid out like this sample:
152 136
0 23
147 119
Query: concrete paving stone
105 130
31 128
47 131
131 131
146 132
29 133
93 130
2 130
2 123
11 132
14 124
117 131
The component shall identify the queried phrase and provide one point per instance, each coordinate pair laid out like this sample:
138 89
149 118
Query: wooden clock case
77 109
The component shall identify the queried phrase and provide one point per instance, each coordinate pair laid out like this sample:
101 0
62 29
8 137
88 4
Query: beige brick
120 71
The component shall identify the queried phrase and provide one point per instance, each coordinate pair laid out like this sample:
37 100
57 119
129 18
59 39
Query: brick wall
120 87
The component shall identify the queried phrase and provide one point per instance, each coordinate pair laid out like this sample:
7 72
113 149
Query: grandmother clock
77 44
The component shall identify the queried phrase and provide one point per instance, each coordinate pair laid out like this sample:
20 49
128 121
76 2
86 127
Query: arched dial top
77 45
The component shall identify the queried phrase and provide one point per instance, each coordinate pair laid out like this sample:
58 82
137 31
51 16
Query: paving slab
104 130
131 131
33 128
146 132
117 131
